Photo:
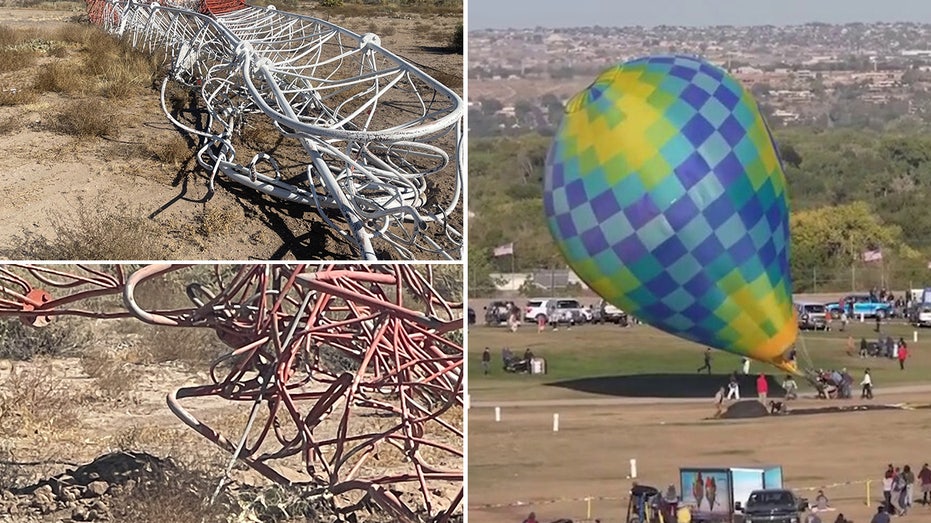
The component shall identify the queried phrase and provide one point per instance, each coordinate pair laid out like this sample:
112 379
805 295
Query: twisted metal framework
339 369
376 130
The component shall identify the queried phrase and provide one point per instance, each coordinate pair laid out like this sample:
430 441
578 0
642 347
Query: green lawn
608 350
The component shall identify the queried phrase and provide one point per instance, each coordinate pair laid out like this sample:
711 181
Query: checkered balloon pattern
664 191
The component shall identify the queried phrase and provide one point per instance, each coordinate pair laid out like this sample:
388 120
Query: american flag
871 256
504 250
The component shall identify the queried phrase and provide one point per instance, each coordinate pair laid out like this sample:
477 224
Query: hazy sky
485 14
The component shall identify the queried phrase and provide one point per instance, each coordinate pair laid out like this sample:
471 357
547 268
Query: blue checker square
752 217
565 225
641 211
630 248
714 72
708 251
692 170
676 150
685 73
669 252
594 241
658 309
706 83
557 174
732 131
548 208
729 170
719 211
681 212
728 94
605 206
695 96
742 250
752 270
697 130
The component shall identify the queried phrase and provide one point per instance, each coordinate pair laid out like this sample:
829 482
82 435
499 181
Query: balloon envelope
664 191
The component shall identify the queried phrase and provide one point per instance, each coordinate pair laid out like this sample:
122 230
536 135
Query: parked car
612 314
811 316
857 304
497 313
554 310
921 315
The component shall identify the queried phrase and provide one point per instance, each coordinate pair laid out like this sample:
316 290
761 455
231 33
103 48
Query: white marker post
862 317
915 336
555 422
633 468
497 414
468 401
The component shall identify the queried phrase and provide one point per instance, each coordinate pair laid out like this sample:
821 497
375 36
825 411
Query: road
881 393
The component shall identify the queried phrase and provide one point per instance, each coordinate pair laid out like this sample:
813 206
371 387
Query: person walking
707 364
867 386
908 485
924 476
486 361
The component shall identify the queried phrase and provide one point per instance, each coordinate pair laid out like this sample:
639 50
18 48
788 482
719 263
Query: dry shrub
9 125
88 119
181 495
260 135
24 342
120 68
16 59
60 77
78 33
120 232
113 377
17 97
219 221
33 400
172 150
195 347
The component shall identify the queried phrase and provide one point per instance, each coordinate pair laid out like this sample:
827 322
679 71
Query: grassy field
608 350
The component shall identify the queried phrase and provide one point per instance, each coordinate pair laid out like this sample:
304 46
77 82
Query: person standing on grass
762 388
718 402
745 365
908 486
707 364
486 361
903 354
888 479
733 388
867 386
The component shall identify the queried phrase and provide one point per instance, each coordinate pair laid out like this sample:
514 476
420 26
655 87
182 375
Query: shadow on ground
666 385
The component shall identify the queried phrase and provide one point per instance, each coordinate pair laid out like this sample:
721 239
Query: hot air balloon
665 194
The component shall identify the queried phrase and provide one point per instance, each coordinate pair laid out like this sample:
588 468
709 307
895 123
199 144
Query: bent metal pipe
374 127
317 354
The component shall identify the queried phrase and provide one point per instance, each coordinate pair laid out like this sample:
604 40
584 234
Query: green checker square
677 149
740 192
732 282
680 323
646 268
753 269
661 132
695 232
659 98
707 82
706 191
576 252
674 85
715 112
678 300
759 287
654 172
623 283
760 233
746 113
628 190
588 160
642 297
616 228
714 149
679 114
606 262
731 231
655 232
684 269
667 192
615 169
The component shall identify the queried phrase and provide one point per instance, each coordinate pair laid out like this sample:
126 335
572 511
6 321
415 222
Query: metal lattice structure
338 364
374 128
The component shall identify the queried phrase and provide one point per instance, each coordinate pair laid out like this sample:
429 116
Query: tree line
849 191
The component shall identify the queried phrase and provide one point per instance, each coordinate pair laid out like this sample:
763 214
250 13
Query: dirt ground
50 179
520 465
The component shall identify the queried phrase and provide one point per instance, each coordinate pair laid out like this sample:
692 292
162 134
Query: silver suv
811 316
554 310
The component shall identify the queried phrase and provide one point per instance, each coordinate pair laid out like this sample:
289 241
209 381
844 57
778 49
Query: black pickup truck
773 506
